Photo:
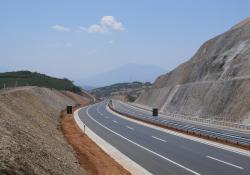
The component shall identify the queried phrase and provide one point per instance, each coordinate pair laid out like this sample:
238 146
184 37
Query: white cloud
106 24
110 21
60 28
95 28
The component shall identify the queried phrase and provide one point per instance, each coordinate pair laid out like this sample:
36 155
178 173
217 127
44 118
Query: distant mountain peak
125 73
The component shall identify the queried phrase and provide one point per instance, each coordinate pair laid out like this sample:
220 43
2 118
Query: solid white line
225 162
115 121
157 138
191 122
130 128
130 165
165 158
206 142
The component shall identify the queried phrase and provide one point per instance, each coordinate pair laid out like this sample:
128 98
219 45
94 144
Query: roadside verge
123 160
91 157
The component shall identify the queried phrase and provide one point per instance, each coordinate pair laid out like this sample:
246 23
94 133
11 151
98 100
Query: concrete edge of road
119 157
196 139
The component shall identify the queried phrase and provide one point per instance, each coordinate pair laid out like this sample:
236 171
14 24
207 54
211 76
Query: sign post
155 112
69 109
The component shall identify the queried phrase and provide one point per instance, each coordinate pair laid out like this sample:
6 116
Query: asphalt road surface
132 110
160 152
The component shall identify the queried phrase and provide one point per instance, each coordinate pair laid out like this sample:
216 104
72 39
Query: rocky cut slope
214 83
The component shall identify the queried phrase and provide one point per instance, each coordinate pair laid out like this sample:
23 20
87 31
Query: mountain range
125 73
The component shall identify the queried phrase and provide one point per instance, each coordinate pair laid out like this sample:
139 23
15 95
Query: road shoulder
91 157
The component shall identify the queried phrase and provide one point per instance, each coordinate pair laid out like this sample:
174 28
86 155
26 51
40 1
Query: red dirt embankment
91 157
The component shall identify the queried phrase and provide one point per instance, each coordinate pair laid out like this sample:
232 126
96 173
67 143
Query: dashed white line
115 121
130 128
225 162
98 110
157 138
206 142
165 158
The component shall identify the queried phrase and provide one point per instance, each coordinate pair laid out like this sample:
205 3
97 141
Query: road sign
155 112
69 109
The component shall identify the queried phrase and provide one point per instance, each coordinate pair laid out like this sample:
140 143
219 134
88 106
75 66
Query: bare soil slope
30 141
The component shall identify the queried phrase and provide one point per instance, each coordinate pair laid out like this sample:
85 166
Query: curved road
135 111
160 152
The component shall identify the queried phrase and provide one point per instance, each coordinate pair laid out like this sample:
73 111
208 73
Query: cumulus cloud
106 24
60 28
110 21
96 29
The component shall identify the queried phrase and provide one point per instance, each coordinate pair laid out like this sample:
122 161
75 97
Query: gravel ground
31 141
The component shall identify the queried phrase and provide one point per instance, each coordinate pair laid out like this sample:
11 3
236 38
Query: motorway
140 113
161 152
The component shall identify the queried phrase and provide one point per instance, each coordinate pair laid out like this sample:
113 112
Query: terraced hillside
214 83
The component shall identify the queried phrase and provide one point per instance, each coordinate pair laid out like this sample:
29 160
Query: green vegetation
27 78
130 90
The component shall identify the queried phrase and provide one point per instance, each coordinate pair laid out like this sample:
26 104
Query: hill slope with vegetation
128 91
27 78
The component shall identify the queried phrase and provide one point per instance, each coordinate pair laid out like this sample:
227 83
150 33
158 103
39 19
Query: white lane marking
121 158
165 158
106 117
190 122
98 110
203 141
157 138
130 128
114 121
225 162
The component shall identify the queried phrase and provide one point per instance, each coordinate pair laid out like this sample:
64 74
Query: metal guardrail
202 120
208 121
160 121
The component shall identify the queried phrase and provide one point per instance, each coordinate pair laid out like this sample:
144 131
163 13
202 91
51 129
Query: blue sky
79 38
